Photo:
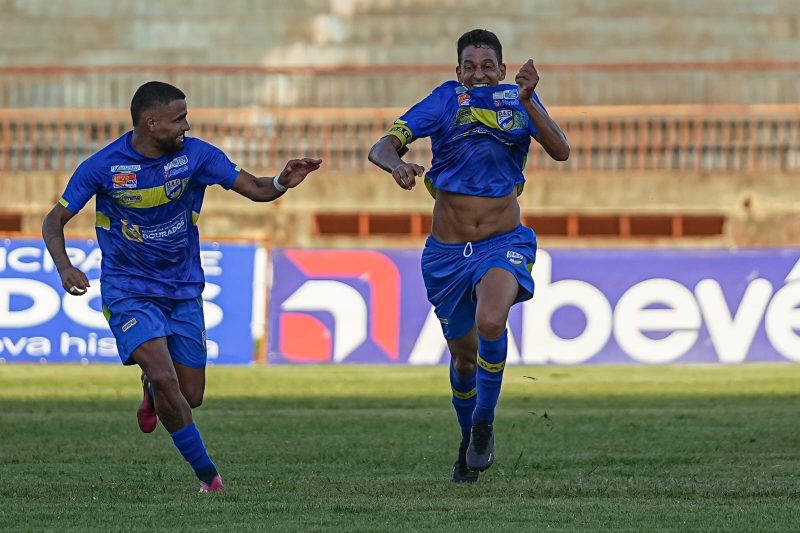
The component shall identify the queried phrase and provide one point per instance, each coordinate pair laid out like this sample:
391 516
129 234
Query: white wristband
277 184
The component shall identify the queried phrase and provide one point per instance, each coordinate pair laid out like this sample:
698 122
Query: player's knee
463 365
194 399
491 327
163 380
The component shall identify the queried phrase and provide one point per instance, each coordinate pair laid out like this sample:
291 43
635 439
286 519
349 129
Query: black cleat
462 474
480 453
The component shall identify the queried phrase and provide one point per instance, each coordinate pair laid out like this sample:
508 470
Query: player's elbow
561 153
373 153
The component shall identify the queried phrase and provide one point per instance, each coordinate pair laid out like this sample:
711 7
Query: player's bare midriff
460 218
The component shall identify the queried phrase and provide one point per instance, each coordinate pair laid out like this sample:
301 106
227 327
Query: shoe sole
481 468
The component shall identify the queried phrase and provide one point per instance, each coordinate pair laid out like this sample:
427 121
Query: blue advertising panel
40 322
591 306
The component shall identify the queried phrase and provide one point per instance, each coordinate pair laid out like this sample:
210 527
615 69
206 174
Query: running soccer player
149 185
477 261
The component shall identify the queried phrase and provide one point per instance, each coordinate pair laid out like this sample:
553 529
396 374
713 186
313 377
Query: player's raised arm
548 133
270 188
386 153
73 280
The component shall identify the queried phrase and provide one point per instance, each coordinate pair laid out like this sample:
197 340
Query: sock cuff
502 339
185 433
492 354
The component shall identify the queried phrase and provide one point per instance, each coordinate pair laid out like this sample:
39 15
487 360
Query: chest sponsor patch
126 168
515 258
124 181
159 232
463 100
508 94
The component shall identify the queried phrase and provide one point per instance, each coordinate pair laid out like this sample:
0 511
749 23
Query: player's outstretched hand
406 175
296 171
527 79
74 281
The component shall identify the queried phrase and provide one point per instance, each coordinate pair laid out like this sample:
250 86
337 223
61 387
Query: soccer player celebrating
149 185
476 263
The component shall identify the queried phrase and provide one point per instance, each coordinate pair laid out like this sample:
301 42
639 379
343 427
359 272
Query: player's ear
502 71
458 72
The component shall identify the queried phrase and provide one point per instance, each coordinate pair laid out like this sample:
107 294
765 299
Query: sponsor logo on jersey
166 230
124 181
175 171
175 163
126 168
173 188
505 119
135 232
131 231
514 258
129 324
461 89
463 100
508 94
129 198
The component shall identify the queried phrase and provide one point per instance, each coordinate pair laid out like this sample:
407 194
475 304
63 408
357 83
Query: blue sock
190 444
464 397
491 363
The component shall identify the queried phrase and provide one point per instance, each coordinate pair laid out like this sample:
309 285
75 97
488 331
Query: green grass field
370 449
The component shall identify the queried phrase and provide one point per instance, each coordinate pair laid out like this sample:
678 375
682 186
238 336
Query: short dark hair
152 94
478 38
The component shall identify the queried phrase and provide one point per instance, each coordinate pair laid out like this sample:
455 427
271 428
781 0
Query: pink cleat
146 414
214 486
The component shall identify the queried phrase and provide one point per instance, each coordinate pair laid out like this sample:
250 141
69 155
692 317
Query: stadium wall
366 209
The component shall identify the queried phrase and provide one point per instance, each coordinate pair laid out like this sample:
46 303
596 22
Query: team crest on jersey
505 119
514 258
124 181
173 188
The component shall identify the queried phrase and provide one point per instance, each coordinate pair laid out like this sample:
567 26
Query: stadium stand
683 132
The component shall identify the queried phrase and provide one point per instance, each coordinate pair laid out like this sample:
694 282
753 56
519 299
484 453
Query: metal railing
620 138
654 83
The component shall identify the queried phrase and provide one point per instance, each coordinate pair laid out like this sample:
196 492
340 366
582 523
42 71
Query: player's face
479 67
169 125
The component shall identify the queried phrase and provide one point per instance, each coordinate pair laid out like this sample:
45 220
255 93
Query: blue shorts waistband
475 244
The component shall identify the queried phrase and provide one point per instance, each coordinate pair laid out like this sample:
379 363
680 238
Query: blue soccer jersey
480 137
147 212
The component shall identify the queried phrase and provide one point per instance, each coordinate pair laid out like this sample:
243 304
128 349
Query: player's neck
145 146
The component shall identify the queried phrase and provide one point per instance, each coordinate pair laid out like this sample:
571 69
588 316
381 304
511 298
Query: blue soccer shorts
452 271
135 319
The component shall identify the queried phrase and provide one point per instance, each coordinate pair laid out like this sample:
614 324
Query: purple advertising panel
591 307
40 323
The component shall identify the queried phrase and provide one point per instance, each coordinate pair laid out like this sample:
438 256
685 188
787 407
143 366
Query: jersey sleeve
531 126
216 168
422 120
84 183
